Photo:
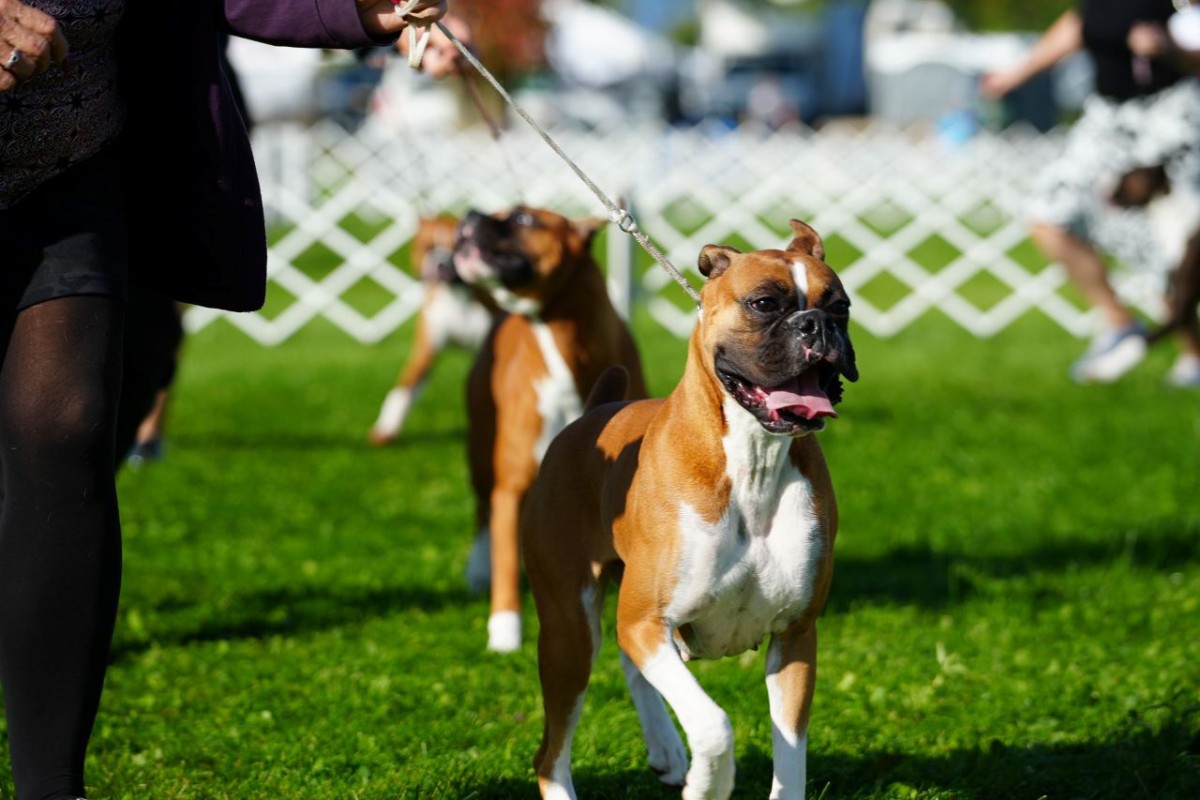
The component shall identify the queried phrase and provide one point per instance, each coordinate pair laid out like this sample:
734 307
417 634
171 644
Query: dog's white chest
455 317
558 400
751 572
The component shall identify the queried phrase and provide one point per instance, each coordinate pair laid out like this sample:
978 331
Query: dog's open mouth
798 405
484 266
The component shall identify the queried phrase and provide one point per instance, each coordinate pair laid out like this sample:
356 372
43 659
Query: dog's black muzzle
499 247
817 337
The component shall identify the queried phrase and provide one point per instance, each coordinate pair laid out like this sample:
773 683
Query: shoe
1185 372
1111 354
142 454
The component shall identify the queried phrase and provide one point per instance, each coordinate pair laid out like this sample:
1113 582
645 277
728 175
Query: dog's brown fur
645 492
558 275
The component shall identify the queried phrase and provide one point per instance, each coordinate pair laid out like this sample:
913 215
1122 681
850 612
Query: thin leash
416 51
493 129
619 216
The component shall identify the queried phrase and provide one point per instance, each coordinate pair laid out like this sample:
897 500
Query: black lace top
63 115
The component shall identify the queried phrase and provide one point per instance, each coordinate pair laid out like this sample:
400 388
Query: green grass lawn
1015 613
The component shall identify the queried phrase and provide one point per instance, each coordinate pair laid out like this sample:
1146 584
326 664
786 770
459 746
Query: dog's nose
812 332
469 222
808 323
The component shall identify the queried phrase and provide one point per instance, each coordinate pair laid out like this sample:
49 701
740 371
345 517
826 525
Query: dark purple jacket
196 219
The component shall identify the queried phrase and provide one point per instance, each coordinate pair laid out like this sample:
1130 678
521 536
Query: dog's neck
744 439
578 295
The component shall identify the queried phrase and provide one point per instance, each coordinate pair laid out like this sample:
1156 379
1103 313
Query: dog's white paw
504 632
712 772
715 782
479 564
391 416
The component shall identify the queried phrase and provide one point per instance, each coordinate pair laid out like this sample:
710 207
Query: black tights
60 537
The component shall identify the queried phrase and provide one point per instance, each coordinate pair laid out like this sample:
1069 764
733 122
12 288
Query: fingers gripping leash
416 42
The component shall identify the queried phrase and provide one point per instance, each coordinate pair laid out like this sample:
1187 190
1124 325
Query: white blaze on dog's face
775 326
521 256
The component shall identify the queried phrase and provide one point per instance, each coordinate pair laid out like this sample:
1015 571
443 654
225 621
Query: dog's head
523 255
1139 186
433 249
774 324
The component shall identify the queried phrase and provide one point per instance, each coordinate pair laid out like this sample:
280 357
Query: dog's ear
806 241
588 228
715 259
846 364
846 367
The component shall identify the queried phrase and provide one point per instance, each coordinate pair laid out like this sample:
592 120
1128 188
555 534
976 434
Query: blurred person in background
92 93
1145 111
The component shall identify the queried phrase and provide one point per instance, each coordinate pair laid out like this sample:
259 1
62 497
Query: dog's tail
610 387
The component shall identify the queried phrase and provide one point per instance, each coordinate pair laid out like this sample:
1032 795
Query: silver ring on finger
13 59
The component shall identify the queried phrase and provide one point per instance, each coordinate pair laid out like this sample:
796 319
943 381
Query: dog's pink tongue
807 400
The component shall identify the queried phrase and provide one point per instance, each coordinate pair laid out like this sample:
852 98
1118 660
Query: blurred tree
992 15
510 35
1009 15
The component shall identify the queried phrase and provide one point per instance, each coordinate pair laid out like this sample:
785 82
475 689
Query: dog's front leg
791 675
400 398
504 624
709 734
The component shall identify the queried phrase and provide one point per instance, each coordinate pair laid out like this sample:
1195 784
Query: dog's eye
840 308
523 218
764 305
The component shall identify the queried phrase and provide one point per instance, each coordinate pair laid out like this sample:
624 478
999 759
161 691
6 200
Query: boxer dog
1173 224
530 376
452 313
714 510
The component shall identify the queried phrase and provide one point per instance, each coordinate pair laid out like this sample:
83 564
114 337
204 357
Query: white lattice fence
911 224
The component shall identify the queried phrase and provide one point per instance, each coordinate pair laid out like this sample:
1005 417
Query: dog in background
1150 188
713 509
452 313
530 376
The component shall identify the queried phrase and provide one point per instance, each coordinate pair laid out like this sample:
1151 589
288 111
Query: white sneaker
1185 372
1112 353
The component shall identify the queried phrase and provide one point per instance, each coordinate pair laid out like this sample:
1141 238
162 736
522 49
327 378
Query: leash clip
623 220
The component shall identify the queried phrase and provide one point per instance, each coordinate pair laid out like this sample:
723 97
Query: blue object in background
841 70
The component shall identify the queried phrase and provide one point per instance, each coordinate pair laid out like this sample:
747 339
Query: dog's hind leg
481 447
568 641
663 744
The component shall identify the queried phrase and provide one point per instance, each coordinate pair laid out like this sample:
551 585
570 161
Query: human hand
1148 40
379 17
994 85
30 41
441 57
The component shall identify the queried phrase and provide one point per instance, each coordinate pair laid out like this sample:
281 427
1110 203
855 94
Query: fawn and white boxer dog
452 313
530 376
714 510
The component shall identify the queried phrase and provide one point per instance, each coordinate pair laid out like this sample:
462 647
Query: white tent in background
277 82
590 45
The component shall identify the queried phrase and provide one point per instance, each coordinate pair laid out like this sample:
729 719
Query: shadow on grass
1143 763
918 575
290 611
